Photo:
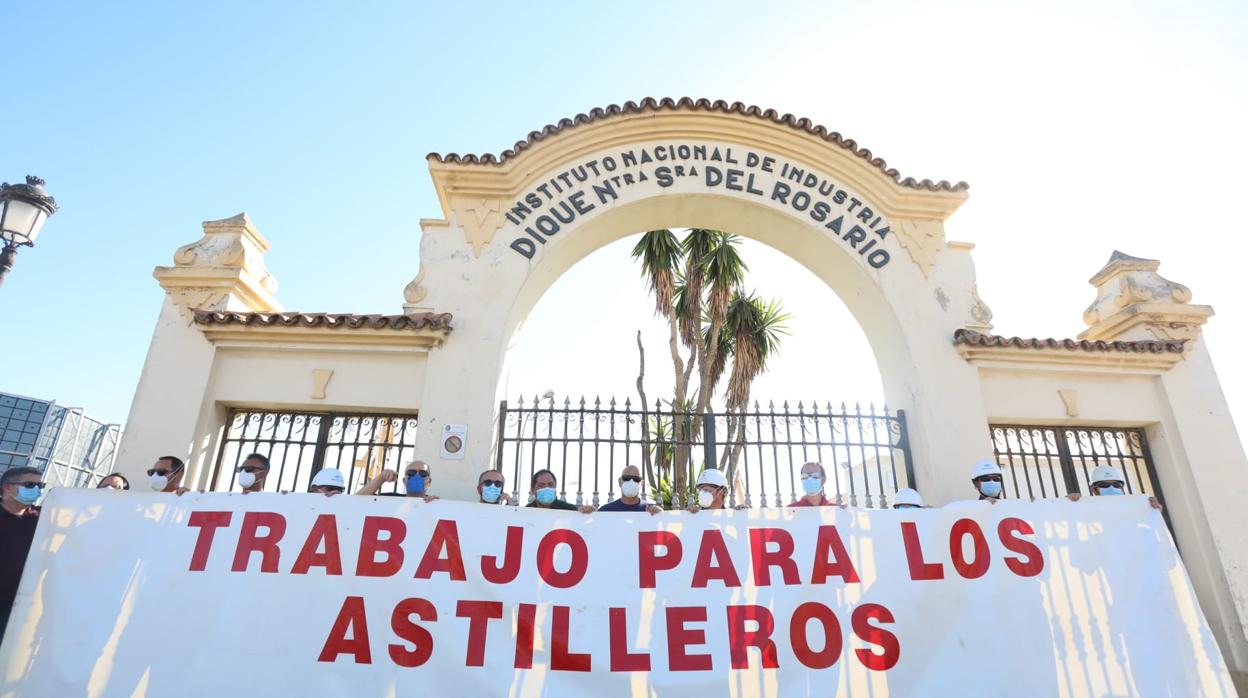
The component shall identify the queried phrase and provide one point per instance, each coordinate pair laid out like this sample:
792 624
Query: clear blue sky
1091 125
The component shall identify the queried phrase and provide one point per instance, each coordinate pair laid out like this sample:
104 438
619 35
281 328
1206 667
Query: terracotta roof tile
351 321
650 104
979 339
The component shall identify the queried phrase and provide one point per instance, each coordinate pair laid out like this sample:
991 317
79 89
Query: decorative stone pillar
1134 302
223 270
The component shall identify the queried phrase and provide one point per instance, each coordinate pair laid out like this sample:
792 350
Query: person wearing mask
545 496
712 488
813 480
20 488
114 481
630 494
329 482
490 486
907 498
166 474
986 477
1107 481
253 472
416 481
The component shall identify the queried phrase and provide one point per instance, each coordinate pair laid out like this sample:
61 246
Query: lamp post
24 208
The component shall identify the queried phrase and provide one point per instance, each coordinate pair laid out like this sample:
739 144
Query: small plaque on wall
454 441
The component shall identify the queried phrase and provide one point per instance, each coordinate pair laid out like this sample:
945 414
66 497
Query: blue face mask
990 488
546 496
811 485
1110 490
491 493
416 484
28 495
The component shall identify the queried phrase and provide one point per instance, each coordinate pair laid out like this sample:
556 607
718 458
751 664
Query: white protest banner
211 595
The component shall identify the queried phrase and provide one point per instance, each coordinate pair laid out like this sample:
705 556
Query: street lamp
23 210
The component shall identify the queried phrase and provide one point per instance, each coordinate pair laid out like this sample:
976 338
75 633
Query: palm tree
756 326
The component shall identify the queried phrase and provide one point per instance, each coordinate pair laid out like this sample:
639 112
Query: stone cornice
324 331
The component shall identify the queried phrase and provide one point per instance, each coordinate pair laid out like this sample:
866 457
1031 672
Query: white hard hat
985 467
329 477
908 496
1107 473
711 476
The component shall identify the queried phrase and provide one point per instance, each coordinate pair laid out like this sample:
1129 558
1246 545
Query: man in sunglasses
416 481
21 488
253 472
630 494
490 486
165 475
329 482
1108 481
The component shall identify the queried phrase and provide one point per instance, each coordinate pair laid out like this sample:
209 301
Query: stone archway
514 223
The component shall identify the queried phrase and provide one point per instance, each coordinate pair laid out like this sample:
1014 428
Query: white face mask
630 489
246 479
158 482
705 499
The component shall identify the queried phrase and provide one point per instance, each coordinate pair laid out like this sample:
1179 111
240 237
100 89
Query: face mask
628 488
990 488
1110 490
28 495
906 506
246 479
811 485
491 493
158 482
546 496
705 499
416 484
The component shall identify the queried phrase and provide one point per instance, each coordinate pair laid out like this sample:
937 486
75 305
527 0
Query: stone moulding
281 330
1147 356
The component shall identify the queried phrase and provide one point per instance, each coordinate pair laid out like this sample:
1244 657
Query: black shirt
557 504
16 535
619 505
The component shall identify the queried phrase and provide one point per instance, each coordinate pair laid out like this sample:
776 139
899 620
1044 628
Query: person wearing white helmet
712 489
907 498
1106 481
328 481
986 476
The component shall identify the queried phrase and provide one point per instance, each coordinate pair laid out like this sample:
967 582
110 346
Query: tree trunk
647 468
678 436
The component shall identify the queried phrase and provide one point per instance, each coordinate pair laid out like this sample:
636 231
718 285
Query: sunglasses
630 478
157 471
422 473
40 485
989 478
251 469
1103 485
492 483
328 488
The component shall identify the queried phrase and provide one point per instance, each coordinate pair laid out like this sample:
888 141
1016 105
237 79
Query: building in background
72 448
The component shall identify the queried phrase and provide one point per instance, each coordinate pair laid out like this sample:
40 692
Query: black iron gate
865 452
298 444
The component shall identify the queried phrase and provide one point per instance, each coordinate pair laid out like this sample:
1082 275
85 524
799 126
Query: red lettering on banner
546 558
371 543
886 641
713 549
765 559
445 537
648 562
249 542
831 651
478 614
324 530
561 658
402 625
502 573
1008 531
919 570
740 639
977 567
829 542
208 523
679 638
621 658
350 618
526 628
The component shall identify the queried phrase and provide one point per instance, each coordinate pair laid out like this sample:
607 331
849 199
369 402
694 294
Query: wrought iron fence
1053 461
865 452
298 444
